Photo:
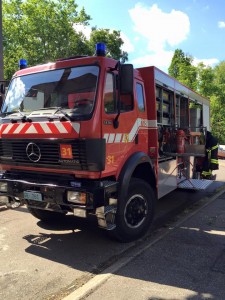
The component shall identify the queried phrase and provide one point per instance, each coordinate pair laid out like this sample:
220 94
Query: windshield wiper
23 116
68 117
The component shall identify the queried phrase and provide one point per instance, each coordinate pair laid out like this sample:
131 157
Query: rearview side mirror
1 101
126 74
2 88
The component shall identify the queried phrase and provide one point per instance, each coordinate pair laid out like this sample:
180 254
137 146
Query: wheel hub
135 211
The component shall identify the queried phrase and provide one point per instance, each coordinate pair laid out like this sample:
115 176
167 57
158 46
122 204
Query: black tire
46 215
135 213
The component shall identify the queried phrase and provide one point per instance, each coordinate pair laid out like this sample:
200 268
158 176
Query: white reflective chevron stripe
7 129
118 138
34 128
134 130
45 128
129 137
31 129
106 136
76 127
19 128
60 127
111 138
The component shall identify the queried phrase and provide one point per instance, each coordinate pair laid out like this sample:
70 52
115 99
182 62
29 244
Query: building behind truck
89 135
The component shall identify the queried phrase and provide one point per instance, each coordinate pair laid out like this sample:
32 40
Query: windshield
72 89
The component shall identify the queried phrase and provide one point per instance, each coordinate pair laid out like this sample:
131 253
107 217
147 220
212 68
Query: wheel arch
139 165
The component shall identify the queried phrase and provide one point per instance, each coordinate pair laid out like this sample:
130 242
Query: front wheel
135 213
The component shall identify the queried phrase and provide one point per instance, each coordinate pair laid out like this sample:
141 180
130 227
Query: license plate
31 195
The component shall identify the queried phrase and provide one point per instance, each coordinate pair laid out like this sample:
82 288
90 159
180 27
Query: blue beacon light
100 49
22 63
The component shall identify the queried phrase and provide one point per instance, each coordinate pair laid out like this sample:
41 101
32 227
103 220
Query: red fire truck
89 135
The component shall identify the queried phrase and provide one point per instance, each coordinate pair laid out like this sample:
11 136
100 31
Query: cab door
121 141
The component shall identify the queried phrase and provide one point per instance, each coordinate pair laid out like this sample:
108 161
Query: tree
43 30
179 60
40 31
205 80
208 82
218 103
182 69
113 41
188 76
1 45
217 112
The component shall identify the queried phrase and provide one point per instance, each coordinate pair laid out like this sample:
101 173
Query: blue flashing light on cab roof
100 49
22 63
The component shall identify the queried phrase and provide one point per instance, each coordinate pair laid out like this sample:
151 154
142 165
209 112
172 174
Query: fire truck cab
89 135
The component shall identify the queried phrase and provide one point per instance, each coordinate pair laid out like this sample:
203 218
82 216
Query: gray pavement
185 262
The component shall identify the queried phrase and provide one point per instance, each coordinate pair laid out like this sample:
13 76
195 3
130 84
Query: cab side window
109 94
140 97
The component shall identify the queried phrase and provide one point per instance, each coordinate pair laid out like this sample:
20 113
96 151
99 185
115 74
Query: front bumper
50 192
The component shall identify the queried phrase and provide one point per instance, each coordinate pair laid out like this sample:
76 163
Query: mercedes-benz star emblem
33 152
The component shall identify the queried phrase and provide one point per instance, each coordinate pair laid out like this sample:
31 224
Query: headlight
3 186
76 197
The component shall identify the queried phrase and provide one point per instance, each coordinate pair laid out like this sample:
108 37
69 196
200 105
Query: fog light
3 186
76 197
80 213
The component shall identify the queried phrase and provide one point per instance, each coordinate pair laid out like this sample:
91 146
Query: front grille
15 150
88 154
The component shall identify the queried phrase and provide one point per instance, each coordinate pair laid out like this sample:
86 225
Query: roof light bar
22 64
100 49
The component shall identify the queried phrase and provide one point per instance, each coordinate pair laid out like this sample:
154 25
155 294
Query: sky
153 30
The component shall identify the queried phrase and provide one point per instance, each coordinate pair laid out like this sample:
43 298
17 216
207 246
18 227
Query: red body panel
137 131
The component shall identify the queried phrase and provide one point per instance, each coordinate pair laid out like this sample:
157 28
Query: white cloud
127 46
221 24
160 59
206 61
162 31
158 27
86 30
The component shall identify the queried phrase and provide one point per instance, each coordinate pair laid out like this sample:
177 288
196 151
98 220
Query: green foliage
43 30
188 76
182 69
113 41
220 80
218 103
39 31
218 118
205 83
194 105
209 82
179 61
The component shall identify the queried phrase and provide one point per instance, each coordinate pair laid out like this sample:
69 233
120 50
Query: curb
101 278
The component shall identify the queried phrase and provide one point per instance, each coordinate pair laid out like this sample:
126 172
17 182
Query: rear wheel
46 215
135 213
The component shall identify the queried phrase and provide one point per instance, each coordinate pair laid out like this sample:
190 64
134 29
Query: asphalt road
43 262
